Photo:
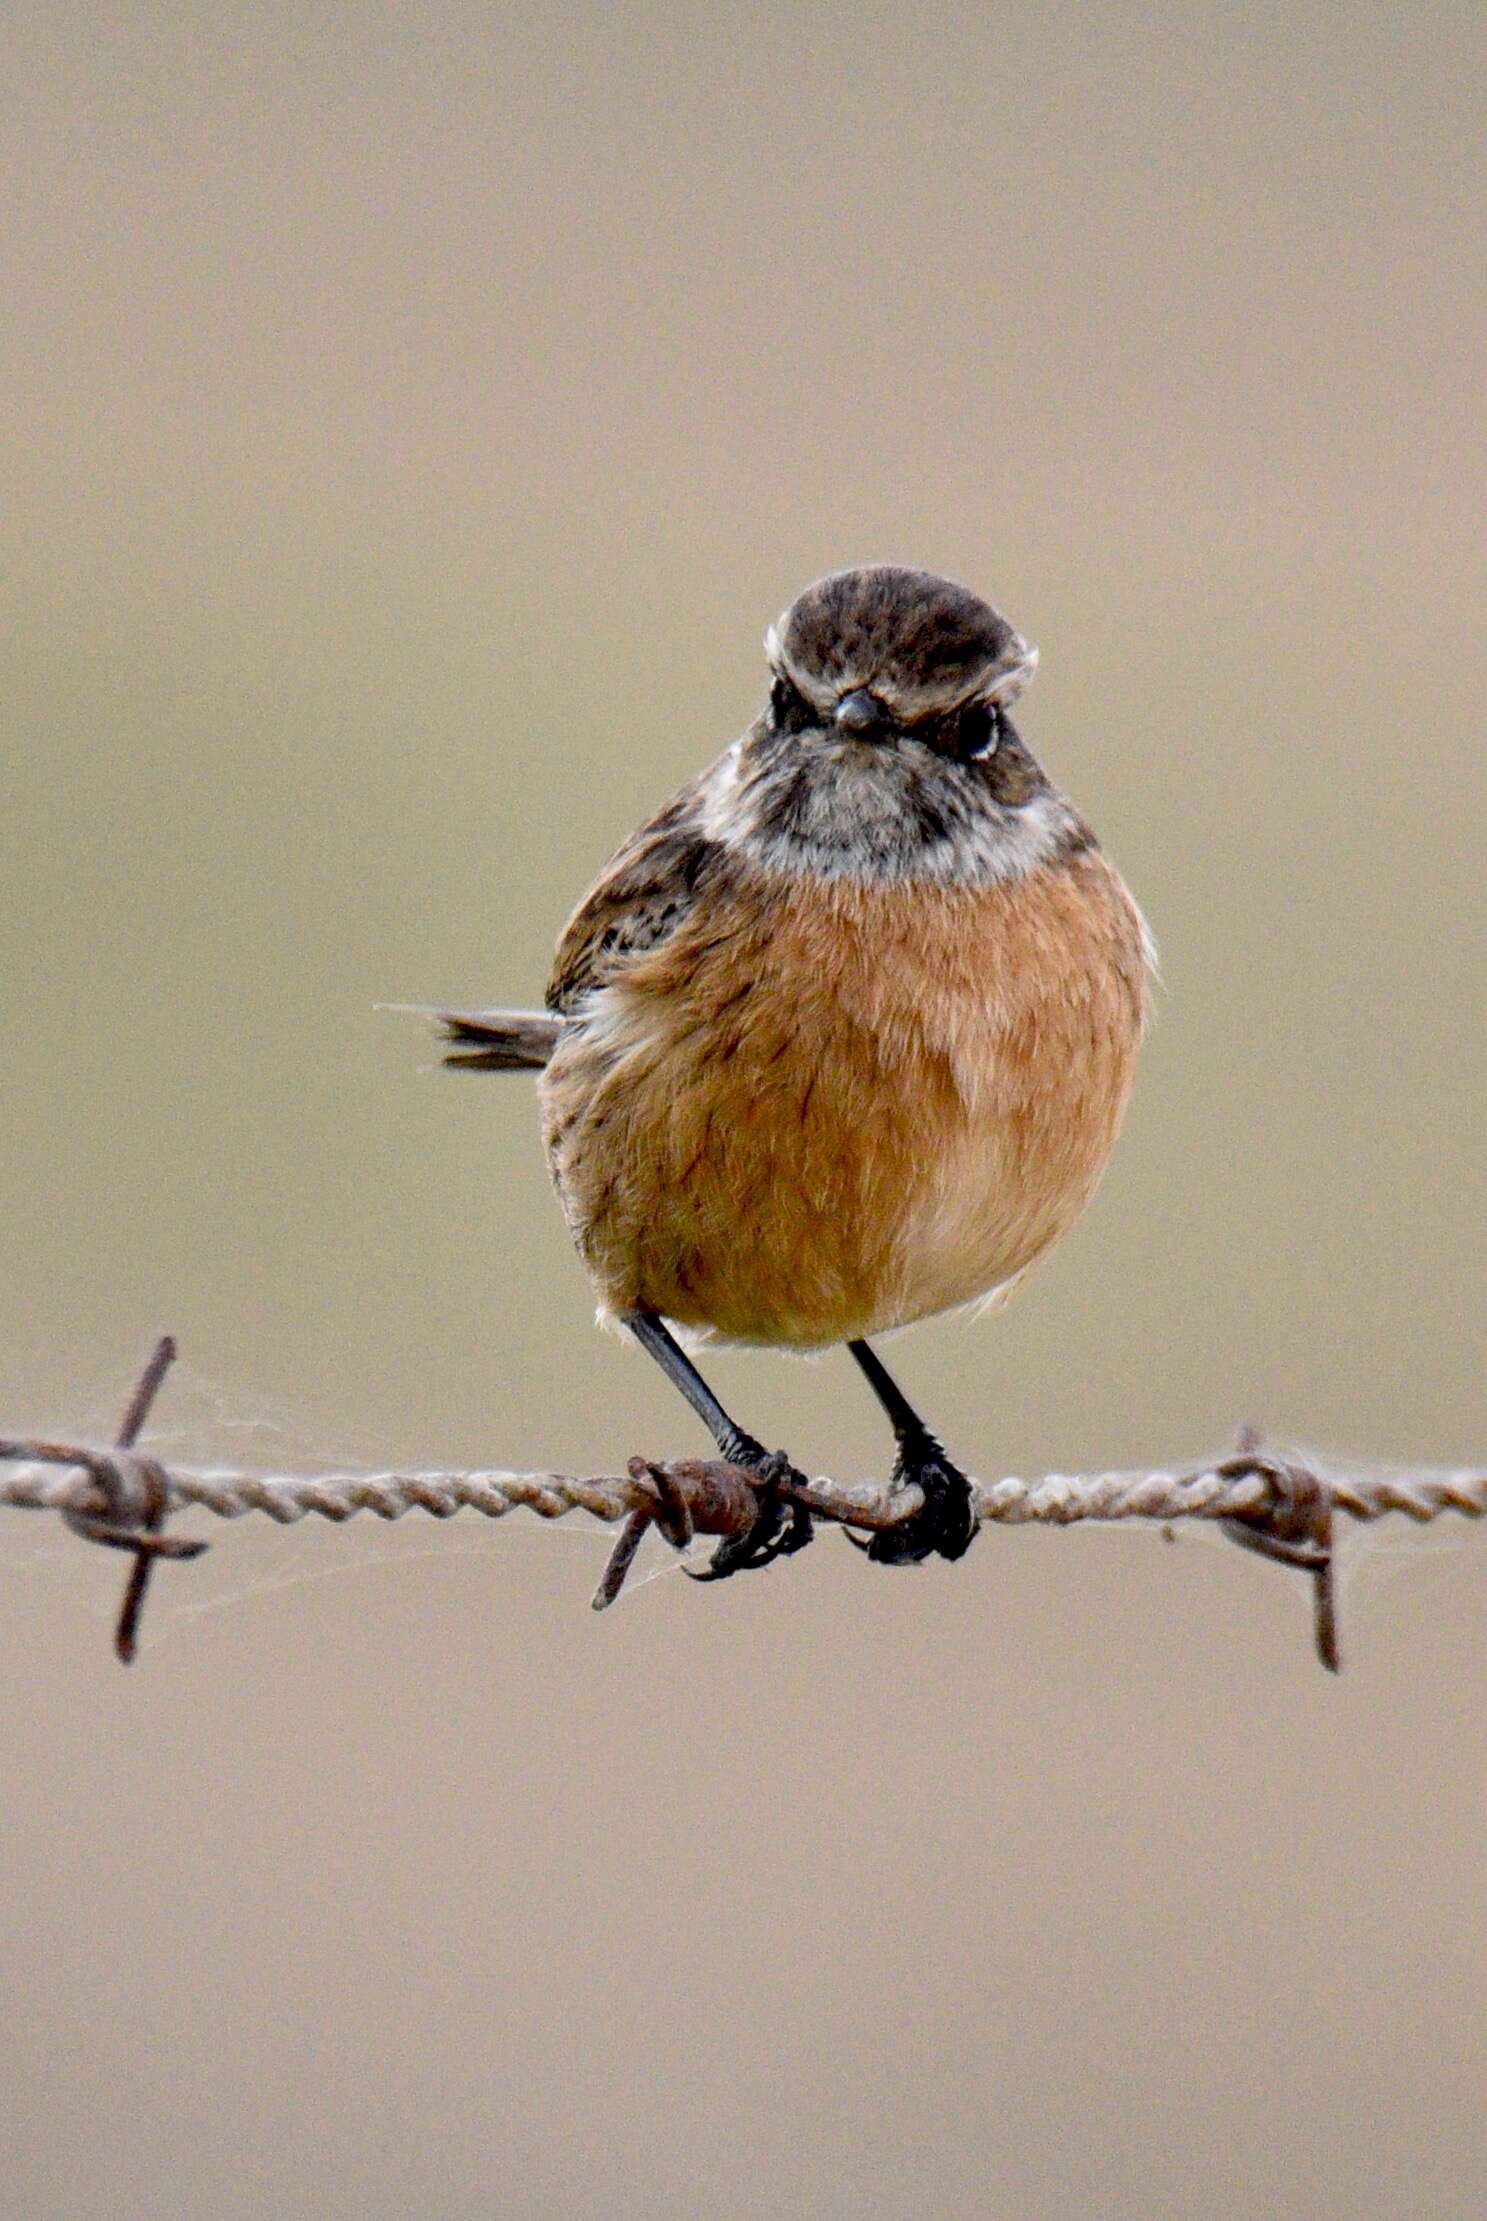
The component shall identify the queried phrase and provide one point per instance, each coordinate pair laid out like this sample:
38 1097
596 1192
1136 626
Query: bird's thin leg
902 1416
781 1529
946 1526
657 1340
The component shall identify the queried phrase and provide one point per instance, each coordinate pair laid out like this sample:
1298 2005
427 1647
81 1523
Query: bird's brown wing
648 889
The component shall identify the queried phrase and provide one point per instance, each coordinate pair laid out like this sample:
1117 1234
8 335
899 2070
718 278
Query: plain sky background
413 419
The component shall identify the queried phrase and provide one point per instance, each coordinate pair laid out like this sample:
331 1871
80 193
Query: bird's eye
788 708
978 733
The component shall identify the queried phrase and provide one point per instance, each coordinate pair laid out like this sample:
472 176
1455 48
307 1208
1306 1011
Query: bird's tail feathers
493 1040
500 1040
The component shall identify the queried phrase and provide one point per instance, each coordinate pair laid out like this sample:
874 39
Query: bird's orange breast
823 1109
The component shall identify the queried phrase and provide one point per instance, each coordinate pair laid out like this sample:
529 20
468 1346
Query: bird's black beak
861 716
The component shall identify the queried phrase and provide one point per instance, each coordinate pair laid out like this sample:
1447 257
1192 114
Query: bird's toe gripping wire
946 1523
780 1530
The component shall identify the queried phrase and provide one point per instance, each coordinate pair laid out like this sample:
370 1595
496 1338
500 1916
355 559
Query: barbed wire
120 1497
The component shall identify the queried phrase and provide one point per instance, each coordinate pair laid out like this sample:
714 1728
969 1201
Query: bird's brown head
885 751
914 645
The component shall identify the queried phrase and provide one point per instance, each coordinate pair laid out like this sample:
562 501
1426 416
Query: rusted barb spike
621 1558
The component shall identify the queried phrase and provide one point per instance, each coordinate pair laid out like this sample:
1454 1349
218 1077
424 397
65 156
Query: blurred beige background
414 418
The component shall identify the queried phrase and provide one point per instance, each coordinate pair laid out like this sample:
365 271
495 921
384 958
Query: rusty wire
1271 1503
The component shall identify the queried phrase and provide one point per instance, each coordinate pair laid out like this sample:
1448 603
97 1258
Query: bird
843 1036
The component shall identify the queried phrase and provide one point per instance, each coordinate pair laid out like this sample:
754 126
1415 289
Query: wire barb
1275 1505
135 1495
1293 1529
693 1496
137 1411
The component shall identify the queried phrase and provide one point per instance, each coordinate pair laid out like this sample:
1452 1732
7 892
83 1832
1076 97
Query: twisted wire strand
51 1477
120 1496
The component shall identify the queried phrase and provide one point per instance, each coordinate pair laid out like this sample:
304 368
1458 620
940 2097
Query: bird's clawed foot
945 1526
781 1528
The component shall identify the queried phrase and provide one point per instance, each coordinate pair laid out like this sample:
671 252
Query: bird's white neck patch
840 809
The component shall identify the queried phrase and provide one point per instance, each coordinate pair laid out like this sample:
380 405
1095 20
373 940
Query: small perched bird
843 1036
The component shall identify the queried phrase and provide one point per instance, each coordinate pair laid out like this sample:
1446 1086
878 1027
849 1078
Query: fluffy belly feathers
829 1109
